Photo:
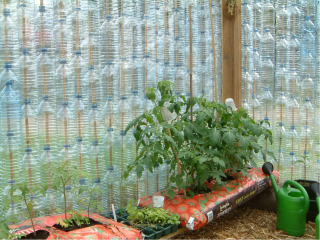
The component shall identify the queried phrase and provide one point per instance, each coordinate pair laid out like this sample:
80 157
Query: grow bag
108 229
201 209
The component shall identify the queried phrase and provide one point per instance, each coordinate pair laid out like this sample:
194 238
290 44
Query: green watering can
315 187
292 204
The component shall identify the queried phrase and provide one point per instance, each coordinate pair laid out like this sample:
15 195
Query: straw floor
245 223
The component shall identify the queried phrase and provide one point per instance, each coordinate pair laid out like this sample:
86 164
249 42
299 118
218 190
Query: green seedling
64 174
75 218
92 201
25 198
147 217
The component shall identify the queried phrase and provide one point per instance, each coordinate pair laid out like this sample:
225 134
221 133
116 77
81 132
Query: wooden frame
231 53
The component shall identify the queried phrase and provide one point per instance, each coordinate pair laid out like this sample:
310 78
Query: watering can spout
267 169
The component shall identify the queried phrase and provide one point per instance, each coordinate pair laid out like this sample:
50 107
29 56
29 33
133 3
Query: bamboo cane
213 54
190 61
111 113
177 47
165 40
44 71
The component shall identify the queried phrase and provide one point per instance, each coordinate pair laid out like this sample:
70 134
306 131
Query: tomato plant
214 140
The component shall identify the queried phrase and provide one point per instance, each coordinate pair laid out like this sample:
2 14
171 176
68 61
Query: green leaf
202 159
139 171
215 137
219 161
171 194
229 138
169 139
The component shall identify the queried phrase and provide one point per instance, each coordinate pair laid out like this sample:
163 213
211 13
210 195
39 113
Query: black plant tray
150 232
313 209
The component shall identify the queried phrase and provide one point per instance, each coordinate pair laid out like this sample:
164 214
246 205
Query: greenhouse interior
149 119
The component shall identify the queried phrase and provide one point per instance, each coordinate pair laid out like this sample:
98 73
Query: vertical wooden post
231 53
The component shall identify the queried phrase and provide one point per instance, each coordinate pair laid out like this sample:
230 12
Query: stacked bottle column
316 147
308 81
45 68
247 52
281 83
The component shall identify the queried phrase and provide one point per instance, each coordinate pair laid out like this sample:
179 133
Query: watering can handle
302 190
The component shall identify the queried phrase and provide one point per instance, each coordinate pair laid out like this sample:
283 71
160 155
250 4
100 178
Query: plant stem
89 204
65 199
30 214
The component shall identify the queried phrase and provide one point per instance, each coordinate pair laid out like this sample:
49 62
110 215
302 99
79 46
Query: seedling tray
201 209
149 232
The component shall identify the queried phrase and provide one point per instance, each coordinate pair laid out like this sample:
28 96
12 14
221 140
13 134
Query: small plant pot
148 233
167 229
41 234
158 232
174 228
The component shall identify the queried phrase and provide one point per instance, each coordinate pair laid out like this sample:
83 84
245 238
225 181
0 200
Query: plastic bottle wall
73 74
281 80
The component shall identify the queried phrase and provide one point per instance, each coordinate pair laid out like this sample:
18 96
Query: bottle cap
292 127
280 150
307 99
110 129
123 97
95 143
45 97
10 133
46 147
91 67
146 56
306 127
110 168
267 30
44 49
306 152
178 93
42 9
109 98
97 180
78 52
109 17
79 96
94 106
63 61
67 188
135 92
307 18
25 51
6 12
65 103
7 65
82 181
122 133
266 118
27 101
134 56
280 124
66 145
28 150
291 153
266 88
8 83
79 139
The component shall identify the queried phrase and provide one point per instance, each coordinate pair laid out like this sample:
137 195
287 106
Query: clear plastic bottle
123 148
268 45
26 70
64 83
96 128
293 112
307 113
294 53
283 20
280 109
295 18
30 173
62 38
47 125
108 186
97 165
316 171
266 102
8 76
306 140
43 29
108 143
307 88
80 159
91 87
255 108
29 126
291 167
9 50
122 115
279 145
45 77
66 129
68 199
268 15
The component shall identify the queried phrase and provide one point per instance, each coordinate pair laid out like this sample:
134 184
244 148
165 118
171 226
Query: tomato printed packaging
201 209
108 229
